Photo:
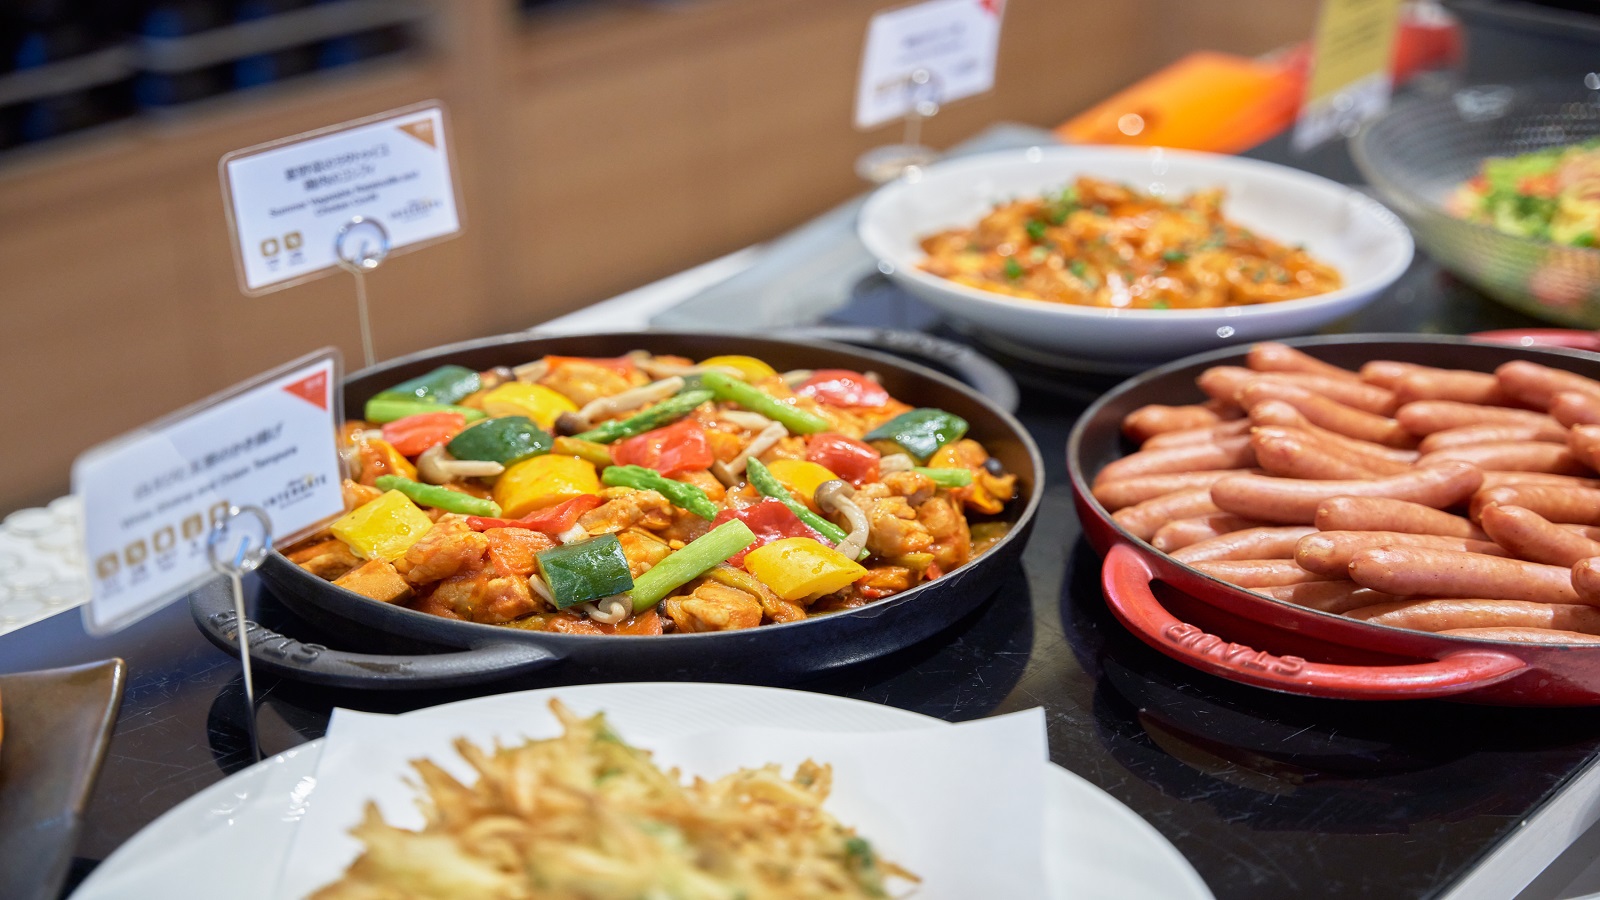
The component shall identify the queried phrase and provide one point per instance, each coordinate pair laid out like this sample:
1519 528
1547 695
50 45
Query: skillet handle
1127 577
212 609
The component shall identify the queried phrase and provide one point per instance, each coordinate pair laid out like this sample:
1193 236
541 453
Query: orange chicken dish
1098 243
652 494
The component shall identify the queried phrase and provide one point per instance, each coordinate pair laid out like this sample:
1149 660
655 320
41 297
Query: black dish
769 654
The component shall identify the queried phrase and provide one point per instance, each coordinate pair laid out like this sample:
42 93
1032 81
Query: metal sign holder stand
362 245
249 550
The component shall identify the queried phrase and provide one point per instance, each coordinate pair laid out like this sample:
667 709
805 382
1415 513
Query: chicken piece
642 549
885 581
627 508
705 481
327 559
434 607
988 492
713 607
376 578
914 486
952 543
791 447
358 494
893 529
776 608
487 597
449 548
685 527
513 551
583 382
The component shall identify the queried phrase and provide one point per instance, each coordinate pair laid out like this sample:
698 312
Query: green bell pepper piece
586 570
682 494
664 413
387 407
446 384
921 432
504 439
439 497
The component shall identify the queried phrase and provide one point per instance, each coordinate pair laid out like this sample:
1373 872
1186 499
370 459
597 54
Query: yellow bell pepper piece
537 402
800 476
749 368
799 568
398 464
976 496
543 481
384 528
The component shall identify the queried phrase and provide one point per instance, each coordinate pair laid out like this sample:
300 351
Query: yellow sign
1350 69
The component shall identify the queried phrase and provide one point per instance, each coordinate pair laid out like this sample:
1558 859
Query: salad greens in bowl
1501 185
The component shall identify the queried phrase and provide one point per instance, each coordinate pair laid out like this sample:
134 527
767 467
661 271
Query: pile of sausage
1441 500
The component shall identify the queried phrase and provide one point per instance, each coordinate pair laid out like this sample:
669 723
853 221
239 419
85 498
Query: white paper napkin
962 805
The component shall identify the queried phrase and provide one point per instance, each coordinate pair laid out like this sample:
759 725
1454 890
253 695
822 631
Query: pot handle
212 609
1126 577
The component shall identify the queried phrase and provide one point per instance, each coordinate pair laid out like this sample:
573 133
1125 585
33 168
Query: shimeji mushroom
437 466
570 423
729 472
834 497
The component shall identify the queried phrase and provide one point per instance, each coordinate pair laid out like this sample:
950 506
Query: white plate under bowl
231 839
1367 243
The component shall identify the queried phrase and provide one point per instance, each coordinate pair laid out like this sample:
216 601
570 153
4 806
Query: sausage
1450 384
1114 495
1580 506
1491 433
1143 520
1423 572
1329 414
1254 573
1181 533
1537 385
1295 502
1368 397
1271 356
1386 373
1524 635
1149 421
1586 578
1424 417
1326 596
1278 413
1531 536
1514 456
1591 532
1493 478
1328 553
1223 383
1204 435
1291 454
1228 453
1250 543
1575 408
1384 514
1453 613
1584 442
1225 409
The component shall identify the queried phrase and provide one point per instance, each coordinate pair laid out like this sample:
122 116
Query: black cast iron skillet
771 653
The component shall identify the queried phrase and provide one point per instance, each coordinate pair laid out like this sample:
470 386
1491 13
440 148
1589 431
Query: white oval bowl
1367 243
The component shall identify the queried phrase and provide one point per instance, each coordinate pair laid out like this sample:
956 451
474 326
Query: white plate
231 839
1368 244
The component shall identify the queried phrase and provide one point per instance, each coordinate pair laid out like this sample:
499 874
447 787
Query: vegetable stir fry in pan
650 494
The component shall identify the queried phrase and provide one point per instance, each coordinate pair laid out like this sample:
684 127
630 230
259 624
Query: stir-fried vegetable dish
1097 243
652 494
1549 195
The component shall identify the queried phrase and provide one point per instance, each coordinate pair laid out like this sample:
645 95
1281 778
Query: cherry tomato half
850 459
680 447
842 387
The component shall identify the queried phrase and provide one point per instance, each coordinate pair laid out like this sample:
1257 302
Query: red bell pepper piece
414 435
551 520
619 364
770 520
680 447
844 456
842 387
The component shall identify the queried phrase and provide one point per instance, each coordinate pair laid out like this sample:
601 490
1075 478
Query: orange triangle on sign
313 389
422 130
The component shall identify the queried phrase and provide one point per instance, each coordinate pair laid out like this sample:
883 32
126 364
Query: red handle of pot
1127 577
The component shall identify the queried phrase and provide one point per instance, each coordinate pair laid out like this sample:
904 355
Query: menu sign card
152 497
1350 68
287 200
957 42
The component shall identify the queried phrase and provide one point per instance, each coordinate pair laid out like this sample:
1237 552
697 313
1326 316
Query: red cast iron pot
1230 632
